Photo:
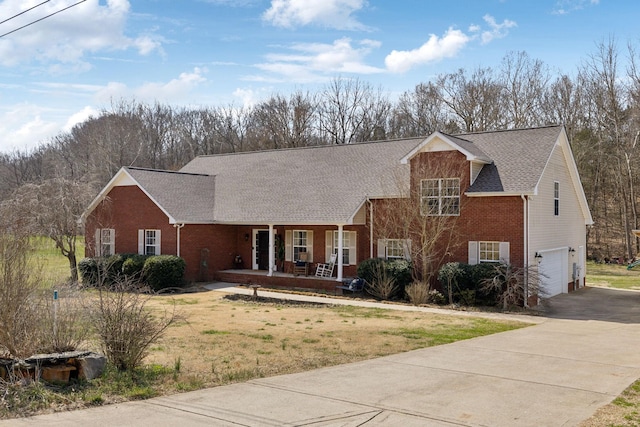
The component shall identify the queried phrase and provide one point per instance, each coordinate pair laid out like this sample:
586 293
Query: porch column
272 253
340 257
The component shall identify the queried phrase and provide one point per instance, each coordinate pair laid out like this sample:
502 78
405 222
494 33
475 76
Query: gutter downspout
178 227
370 228
525 213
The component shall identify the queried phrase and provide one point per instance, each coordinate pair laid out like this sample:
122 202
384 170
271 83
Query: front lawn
613 276
230 338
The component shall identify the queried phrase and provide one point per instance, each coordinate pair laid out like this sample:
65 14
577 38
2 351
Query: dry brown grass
229 339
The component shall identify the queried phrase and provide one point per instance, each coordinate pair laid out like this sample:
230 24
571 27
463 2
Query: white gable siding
548 231
361 216
476 167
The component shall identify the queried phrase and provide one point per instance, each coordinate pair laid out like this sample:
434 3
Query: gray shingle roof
327 184
313 185
519 158
185 197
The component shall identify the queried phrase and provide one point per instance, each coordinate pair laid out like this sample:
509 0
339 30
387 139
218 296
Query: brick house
512 196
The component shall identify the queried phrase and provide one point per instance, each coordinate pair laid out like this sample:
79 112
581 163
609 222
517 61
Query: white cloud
178 89
497 31
68 36
313 62
435 49
22 127
80 117
325 13
248 97
565 7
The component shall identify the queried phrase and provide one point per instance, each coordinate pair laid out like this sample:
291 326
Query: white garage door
553 273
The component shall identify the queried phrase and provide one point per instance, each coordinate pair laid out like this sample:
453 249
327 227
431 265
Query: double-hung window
105 241
348 246
299 243
440 197
149 242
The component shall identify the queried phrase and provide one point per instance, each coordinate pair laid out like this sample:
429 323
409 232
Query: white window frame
556 198
300 243
438 197
394 249
145 244
105 241
474 252
488 252
348 246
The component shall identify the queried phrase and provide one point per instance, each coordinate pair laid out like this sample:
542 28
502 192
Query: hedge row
158 271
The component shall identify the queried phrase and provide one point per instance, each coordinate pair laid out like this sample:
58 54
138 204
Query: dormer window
440 197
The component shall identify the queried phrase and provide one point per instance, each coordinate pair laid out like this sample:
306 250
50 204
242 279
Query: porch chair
301 266
326 270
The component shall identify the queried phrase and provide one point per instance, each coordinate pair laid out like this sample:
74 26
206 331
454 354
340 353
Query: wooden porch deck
278 280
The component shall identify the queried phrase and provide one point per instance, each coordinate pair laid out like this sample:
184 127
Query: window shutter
382 245
288 242
504 252
352 248
98 247
406 245
141 242
309 246
473 253
328 245
158 243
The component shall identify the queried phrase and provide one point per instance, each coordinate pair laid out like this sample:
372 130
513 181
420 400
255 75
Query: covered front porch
279 279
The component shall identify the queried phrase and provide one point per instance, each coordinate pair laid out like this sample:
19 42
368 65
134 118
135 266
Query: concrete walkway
556 373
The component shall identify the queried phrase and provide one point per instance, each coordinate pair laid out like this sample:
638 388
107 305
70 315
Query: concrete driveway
556 373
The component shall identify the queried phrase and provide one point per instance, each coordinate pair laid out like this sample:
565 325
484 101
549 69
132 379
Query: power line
41 19
25 11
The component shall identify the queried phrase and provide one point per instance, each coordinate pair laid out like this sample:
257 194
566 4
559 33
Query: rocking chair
326 270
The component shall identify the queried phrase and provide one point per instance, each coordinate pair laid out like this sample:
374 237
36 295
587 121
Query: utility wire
25 11
41 19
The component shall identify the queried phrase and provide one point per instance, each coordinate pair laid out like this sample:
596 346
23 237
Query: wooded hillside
599 105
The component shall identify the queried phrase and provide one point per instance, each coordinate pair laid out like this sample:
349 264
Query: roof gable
439 141
184 198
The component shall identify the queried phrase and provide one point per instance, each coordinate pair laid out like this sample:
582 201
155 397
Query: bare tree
350 110
52 208
285 122
524 82
421 111
474 100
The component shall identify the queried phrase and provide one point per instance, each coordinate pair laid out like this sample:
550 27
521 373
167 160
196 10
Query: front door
262 249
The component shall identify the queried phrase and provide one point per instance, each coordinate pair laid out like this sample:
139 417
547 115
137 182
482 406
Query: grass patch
214 332
613 276
442 334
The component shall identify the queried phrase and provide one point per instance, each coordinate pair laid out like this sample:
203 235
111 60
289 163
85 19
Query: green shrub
163 271
368 268
385 279
133 265
479 274
89 271
450 276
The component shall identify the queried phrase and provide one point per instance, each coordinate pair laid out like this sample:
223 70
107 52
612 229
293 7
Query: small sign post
55 313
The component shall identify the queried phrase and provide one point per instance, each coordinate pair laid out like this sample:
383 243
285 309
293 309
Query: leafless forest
599 104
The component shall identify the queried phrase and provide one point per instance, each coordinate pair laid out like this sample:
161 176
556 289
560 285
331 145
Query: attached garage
552 268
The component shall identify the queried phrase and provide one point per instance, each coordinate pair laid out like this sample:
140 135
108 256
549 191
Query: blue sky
57 72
